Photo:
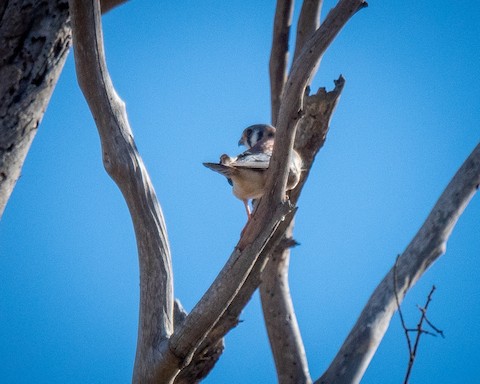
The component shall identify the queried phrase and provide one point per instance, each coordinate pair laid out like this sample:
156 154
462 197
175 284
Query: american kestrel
246 172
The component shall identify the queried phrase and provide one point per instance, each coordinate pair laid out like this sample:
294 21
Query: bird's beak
240 142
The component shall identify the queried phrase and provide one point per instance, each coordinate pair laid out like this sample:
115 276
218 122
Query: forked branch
312 130
419 330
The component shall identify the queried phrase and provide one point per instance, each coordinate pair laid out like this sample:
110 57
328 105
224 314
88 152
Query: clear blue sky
193 75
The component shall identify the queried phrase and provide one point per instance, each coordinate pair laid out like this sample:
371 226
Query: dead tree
174 346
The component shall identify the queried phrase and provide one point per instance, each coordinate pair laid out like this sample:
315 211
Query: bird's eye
248 132
270 134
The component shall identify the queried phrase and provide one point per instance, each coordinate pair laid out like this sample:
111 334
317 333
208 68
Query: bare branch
124 164
313 130
206 357
280 320
308 23
292 100
279 53
34 43
219 296
187 339
419 331
292 364
230 317
35 39
427 246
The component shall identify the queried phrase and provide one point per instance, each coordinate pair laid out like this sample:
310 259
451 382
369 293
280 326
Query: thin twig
437 331
419 331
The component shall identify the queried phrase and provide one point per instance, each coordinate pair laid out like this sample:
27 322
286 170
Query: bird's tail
220 168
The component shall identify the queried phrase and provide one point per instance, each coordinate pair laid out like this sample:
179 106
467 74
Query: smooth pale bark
291 110
124 164
427 246
279 53
308 23
277 305
280 319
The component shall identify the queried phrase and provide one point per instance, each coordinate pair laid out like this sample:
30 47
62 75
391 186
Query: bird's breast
249 184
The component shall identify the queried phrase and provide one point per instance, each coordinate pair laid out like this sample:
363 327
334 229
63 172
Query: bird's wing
248 159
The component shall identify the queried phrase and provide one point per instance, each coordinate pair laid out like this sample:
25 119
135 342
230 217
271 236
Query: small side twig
419 330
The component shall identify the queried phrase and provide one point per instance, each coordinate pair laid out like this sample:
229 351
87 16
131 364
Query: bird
253 134
247 171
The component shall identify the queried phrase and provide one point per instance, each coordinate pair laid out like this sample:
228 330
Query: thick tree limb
427 246
124 164
279 53
218 310
34 43
188 337
35 39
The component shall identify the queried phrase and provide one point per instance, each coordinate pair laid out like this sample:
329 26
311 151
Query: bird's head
253 134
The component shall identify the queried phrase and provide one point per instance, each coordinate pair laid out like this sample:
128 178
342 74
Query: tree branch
419 330
188 337
291 109
124 164
291 105
308 23
427 246
280 320
230 317
311 136
34 43
279 54
291 364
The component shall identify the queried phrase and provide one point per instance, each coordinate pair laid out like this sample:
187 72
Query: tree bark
34 43
35 39
279 54
124 164
311 135
279 314
280 319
